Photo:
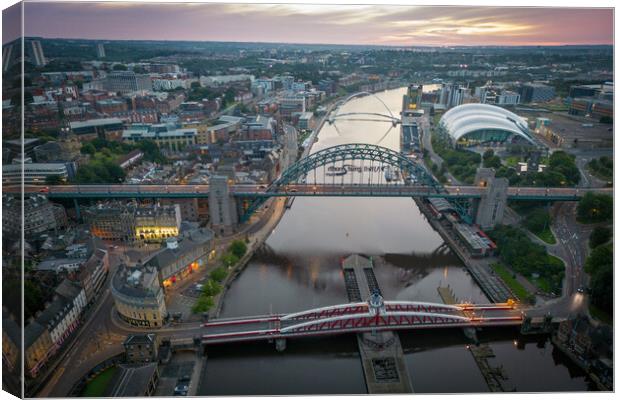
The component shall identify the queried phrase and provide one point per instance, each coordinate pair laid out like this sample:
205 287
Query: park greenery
206 300
600 235
599 265
602 168
595 207
198 93
510 279
104 154
536 218
490 160
561 171
98 385
462 164
529 259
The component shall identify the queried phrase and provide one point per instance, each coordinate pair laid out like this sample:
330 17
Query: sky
339 24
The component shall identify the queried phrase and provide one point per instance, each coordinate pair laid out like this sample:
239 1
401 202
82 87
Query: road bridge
300 189
361 317
311 176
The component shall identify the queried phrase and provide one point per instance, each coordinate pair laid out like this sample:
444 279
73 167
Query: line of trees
527 258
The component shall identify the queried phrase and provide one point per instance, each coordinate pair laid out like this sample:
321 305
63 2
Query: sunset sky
344 24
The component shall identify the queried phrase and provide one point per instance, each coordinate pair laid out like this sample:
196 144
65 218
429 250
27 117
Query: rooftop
131 381
95 122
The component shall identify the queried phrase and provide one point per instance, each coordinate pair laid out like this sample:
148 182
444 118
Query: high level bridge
361 317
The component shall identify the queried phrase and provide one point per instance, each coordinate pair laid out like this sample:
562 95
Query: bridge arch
338 115
390 319
355 151
347 152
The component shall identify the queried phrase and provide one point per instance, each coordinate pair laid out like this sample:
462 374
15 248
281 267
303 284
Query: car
580 289
293 190
262 186
44 190
181 390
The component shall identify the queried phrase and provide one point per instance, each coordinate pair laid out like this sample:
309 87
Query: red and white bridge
361 317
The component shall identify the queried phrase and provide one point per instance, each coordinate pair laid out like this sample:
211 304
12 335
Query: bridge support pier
489 210
78 215
280 345
222 206
470 333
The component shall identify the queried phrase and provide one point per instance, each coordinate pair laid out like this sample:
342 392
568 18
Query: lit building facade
132 223
183 256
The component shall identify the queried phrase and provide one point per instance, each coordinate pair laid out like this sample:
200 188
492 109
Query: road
303 189
426 143
355 317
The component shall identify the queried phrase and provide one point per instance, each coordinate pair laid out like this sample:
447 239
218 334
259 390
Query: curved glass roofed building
472 124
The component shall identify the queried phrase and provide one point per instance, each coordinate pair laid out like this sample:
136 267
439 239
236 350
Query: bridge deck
294 190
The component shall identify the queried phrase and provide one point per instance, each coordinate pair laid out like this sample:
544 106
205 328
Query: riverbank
492 286
256 240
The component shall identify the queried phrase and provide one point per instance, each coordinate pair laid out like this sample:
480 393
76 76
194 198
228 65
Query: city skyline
322 24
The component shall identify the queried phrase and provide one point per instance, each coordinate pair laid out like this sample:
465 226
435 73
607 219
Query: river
301 269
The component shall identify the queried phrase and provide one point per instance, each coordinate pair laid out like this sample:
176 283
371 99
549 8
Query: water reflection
300 269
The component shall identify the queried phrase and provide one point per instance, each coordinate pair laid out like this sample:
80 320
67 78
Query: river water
300 269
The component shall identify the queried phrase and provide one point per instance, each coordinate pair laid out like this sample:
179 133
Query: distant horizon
310 44
308 24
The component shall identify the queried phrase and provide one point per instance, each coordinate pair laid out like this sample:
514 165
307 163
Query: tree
88 148
203 304
211 288
53 180
229 259
488 154
595 207
238 248
218 274
600 235
601 286
119 67
538 220
600 267
600 256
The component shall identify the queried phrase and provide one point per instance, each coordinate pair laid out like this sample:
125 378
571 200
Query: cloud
299 23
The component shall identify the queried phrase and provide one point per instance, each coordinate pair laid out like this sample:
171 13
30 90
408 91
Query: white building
219 80
34 173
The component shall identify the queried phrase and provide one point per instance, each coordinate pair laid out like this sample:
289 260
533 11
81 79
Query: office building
536 93
40 215
131 223
35 173
8 57
104 128
100 50
35 53
182 256
165 137
127 82
138 296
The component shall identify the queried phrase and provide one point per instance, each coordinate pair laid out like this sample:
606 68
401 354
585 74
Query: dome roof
467 118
